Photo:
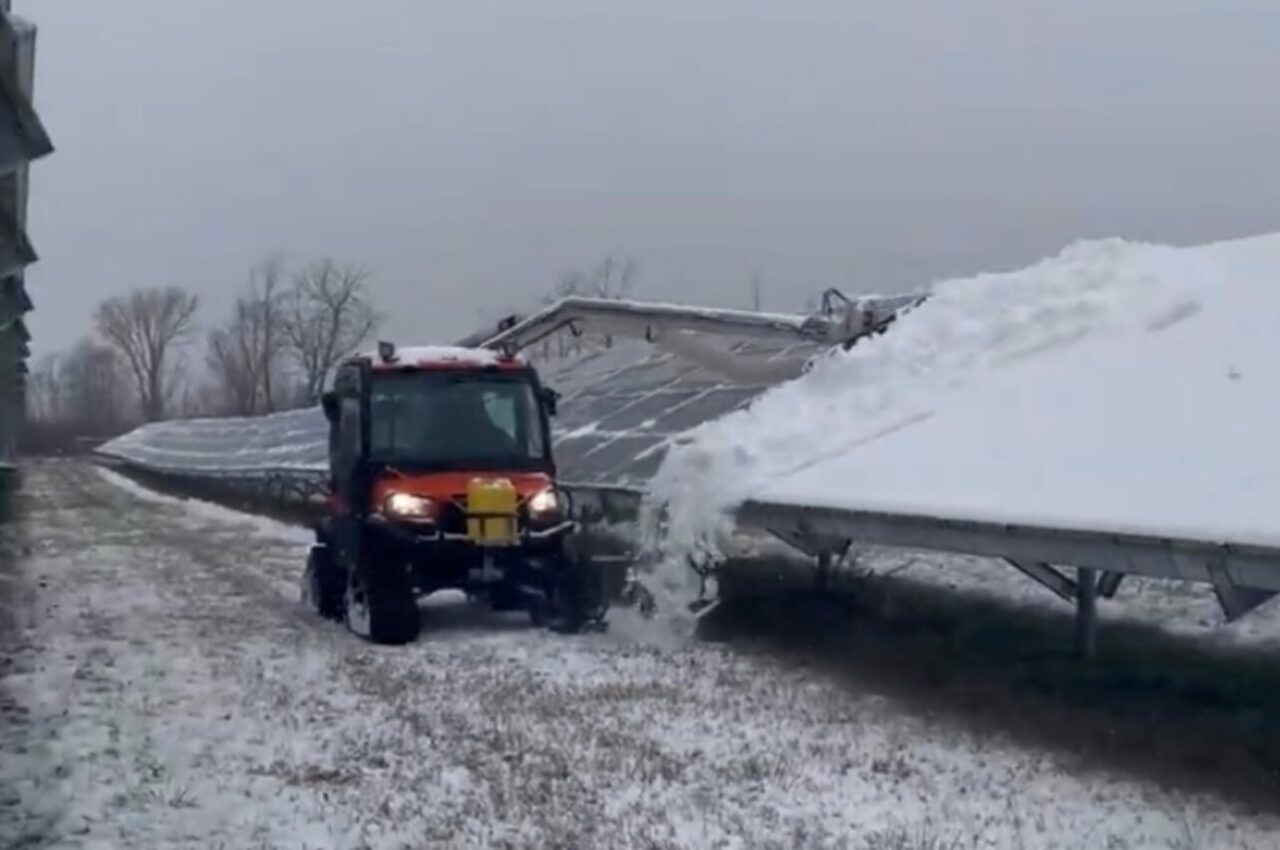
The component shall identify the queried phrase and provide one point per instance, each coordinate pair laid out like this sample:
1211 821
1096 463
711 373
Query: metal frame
681 329
646 320
1243 576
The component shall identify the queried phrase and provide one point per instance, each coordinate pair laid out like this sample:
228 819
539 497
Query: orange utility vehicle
441 476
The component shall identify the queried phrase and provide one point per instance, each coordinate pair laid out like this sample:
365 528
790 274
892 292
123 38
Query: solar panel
622 403
620 408
623 406
282 442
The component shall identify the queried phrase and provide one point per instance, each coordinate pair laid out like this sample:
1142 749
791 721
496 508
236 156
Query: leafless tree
45 390
329 315
200 400
267 298
146 328
96 392
611 279
245 354
73 397
231 368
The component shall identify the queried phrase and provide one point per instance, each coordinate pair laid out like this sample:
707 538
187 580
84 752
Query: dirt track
166 690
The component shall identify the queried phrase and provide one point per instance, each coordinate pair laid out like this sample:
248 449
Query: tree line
275 350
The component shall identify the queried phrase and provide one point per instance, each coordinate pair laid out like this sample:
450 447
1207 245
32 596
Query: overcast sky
469 153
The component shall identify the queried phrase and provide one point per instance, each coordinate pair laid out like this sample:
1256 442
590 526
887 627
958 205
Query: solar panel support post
1109 583
822 577
1048 576
1086 612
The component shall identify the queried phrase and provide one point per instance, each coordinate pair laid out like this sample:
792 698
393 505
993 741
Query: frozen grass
921 837
177 696
1171 695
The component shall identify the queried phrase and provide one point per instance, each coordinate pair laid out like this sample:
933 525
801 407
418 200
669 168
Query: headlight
410 507
545 504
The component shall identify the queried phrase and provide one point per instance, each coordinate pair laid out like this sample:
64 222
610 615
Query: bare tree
76 398
271 340
245 354
610 279
45 390
232 371
146 327
613 279
96 390
330 315
199 400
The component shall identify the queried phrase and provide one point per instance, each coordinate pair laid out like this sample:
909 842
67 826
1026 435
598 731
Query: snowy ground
160 687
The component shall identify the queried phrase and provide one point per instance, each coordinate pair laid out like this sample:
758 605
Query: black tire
382 610
506 597
323 584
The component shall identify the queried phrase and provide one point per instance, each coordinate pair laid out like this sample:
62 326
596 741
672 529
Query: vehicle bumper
444 560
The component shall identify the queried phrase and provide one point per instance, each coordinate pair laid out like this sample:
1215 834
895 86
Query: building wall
22 138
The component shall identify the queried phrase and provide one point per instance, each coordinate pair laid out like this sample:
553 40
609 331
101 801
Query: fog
469 154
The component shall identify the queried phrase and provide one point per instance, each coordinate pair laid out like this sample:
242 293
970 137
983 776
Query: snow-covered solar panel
623 406
665 370
296 441
620 408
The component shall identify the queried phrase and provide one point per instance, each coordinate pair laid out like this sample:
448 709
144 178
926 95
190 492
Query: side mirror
329 401
550 400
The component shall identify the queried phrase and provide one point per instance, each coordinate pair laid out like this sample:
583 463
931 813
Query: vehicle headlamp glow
545 503
408 506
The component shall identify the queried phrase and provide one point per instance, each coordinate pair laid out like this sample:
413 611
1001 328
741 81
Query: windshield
457 420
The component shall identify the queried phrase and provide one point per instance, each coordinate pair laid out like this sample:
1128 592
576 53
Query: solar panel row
668 369
624 406
621 407
296 440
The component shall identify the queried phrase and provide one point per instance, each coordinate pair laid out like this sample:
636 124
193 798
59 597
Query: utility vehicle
441 476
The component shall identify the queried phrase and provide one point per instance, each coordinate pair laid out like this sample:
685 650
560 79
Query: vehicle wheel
322 584
506 597
382 610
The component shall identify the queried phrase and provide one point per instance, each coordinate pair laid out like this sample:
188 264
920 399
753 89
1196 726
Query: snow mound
1117 385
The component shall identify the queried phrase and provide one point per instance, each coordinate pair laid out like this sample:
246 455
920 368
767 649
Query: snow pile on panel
1117 386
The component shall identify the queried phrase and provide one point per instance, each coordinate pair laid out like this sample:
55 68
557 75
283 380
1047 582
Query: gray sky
470 153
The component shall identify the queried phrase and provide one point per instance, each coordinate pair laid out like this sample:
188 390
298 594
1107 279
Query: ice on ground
1121 386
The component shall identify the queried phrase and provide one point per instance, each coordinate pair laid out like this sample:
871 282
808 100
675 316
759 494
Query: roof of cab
444 357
